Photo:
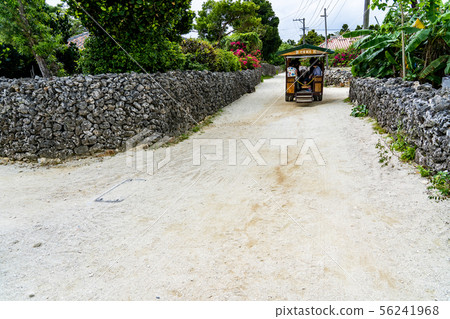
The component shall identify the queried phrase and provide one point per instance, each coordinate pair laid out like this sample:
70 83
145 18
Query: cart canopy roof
304 51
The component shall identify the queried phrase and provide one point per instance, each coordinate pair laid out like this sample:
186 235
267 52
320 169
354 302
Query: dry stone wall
421 112
338 76
79 115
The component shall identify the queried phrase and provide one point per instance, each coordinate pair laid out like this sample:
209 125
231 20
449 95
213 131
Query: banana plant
432 43
427 48
376 45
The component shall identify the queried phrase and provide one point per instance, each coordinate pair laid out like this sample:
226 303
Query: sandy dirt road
347 230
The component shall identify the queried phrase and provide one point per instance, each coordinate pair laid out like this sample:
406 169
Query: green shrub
100 57
226 61
401 145
409 153
441 181
149 30
69 57
360 111
200 54
251 39
423 171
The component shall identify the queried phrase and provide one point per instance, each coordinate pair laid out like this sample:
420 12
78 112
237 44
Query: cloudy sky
338 11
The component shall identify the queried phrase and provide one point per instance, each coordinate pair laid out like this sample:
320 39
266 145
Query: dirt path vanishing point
347 230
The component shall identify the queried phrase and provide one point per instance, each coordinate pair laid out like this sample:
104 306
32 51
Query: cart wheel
291 98
320 97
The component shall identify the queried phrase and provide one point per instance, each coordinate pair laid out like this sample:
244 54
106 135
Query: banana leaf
445 16
390 58
447 68
446 38
361 41
409 30
367 56
434 79
434 65
417 39
431 11
357 33
378 42
384 71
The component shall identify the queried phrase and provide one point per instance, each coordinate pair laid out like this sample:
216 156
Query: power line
298 10
319 21
313 16
302 6
331 10
340 9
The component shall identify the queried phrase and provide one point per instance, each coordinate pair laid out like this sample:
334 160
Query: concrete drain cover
117 193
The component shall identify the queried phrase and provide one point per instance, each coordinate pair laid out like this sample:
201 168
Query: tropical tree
288 42
24 25
61 22
279 60
344 28
218 19
150 31
313 38
270 38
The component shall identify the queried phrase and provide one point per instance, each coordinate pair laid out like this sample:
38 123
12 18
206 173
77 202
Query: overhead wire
340 9
313 17
302 5
330 9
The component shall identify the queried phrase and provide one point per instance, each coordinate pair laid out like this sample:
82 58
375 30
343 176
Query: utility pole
304 36
366 14
326 34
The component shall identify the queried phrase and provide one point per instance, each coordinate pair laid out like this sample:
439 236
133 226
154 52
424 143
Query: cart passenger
316 71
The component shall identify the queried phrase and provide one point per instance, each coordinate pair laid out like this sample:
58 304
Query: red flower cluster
250 60
344 58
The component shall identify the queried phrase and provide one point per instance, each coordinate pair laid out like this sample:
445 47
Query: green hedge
100 57
201 55
227 61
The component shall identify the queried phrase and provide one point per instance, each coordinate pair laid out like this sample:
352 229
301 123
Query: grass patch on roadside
377 128
360 111
440 183
408 151
265 77
347 100
423 171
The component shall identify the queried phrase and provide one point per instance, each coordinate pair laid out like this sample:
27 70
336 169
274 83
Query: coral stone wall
78 115
421 112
